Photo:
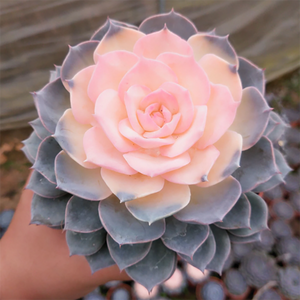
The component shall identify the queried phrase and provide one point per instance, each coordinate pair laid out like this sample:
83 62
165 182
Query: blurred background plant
35 34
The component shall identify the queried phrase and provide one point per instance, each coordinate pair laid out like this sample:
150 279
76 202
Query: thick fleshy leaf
221 72
272 124
41 186
44 162
190 76
278 178
148 72
171 199
39 129
123 227
85 243
117 38
69 134
230 148
183 237
258 218
122 185
79 181
82 106
152 166
158 265
251 75
257 165
244 239
127 255
82 215
100 259
110 69
48 211
221 112
278 131
31 145
101 152
204 254
203 44
49 110
238 216
174 21
252 117
209 205
197 170
55 74
78 58
186 140
100 33
28 156
153 44
222 250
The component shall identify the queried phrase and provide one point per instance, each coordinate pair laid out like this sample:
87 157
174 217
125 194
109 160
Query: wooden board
35 35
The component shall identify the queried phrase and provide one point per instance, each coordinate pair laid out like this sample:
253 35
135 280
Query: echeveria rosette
154 138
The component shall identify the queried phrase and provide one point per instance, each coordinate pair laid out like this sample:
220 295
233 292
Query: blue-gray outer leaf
222 249
41 186
85 243
174 21
100 259
127 255
31 145
204 254
244 239
82 215
49 110
257 165
39 128
258 219
158 265
183 237
123 227
44 162
238 216
47 211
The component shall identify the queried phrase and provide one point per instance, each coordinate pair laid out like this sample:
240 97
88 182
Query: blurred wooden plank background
35 35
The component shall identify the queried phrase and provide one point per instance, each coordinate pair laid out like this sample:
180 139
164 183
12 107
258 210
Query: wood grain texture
35 35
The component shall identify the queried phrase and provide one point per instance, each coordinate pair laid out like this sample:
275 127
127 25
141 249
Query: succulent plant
152 142
267 241
269 294
280 228
236 285
211 290
289 246
282 209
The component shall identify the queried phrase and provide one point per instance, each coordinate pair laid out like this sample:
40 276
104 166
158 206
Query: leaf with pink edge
158 265
258 219
48 211
125 228
257 165
238 216
211 204
85 243
174 21
244 239
100 260
55 74
222 250
41 186
252 117
100 33
79 181
39 129
50 111
183 237
82 215
278 178
44 162
251 75
204 254
127 255
31 146
280 128
78 58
